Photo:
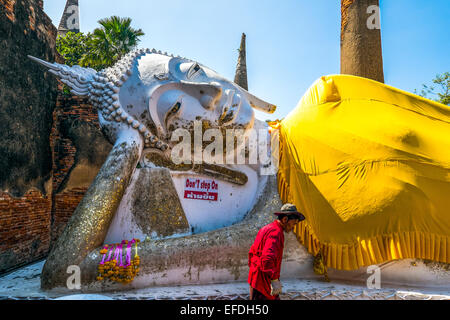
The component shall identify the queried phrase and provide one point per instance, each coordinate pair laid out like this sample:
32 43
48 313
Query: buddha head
156 94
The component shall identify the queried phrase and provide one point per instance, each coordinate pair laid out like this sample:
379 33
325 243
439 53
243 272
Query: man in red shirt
266 253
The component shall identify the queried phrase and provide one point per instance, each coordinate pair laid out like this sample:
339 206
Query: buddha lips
112 265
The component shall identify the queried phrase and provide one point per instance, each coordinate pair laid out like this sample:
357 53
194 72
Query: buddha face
166 93
197 93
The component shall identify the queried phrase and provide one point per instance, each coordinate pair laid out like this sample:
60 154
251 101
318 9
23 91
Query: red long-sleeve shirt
264 258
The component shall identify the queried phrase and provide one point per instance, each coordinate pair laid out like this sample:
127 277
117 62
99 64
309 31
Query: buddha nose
210 95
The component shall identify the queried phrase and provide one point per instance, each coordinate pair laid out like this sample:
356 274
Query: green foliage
73 46
102 48
111 41
440 90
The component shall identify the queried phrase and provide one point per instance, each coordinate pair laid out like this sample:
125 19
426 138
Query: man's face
288 225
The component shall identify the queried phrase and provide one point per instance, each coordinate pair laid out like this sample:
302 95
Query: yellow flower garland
113 270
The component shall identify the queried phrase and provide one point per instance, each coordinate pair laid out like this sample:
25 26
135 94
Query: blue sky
290 43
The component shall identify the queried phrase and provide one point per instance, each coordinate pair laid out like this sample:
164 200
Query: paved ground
25 284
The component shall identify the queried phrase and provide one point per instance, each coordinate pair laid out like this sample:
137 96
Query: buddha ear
258 103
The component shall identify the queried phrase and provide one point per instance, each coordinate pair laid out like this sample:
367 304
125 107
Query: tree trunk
361 52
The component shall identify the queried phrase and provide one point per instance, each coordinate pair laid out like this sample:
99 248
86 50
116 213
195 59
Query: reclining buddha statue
367 164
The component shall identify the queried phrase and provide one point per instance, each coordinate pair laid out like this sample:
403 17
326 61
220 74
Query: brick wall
49 140
30 224
27 101
24 228
65 201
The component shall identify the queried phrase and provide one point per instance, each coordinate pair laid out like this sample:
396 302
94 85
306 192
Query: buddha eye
172 112
176 107
193 70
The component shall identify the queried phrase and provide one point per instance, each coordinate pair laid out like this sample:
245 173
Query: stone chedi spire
241 69
70 20
361 51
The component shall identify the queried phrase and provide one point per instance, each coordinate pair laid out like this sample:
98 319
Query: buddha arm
90 222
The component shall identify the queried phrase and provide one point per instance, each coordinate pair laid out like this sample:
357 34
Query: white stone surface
234 201
402 272
89 297
25 284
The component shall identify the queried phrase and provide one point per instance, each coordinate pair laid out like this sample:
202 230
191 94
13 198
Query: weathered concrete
241 70
149 208
155 204
70 20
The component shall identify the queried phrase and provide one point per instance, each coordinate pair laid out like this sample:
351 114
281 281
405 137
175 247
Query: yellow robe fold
369 166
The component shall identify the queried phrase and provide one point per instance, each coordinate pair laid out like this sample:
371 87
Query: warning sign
200 189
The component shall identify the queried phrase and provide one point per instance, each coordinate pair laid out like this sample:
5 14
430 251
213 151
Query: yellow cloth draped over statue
369 166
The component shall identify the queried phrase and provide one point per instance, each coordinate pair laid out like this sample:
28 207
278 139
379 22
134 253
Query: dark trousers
256 295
